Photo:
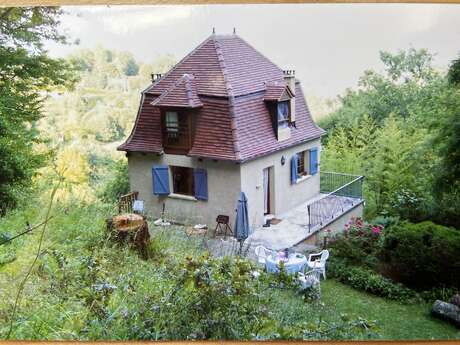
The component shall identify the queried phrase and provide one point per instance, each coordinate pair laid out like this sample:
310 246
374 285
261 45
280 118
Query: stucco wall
223 188
284 195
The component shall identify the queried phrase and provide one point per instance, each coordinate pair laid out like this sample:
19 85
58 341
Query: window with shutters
182 180
303 160
177 131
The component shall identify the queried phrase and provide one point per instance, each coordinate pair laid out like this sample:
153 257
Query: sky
328 45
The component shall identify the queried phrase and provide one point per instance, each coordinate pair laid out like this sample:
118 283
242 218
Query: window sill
182 197
303 178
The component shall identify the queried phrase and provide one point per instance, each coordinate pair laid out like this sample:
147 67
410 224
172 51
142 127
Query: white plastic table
295 263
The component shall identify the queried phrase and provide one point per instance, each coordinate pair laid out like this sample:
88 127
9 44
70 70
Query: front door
266 183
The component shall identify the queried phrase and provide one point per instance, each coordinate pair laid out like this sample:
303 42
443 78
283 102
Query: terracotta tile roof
232 81
255 132
146 134
203 63
247 70
181 94
213 135
220 57
276 91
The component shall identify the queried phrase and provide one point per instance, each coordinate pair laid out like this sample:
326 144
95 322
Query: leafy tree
454 72
446 188
26 72
118 183
410 155
126 64
392 169
398 91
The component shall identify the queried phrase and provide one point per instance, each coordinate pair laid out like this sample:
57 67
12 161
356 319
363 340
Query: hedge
422 255
367 280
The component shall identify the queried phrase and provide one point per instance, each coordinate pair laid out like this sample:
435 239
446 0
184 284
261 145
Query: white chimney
289 77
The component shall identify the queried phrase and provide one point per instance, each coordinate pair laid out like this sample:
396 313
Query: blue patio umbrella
242 218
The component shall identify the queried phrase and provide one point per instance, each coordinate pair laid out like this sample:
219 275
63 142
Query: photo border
23 3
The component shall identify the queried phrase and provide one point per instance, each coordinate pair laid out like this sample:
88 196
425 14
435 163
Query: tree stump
131 228
446 311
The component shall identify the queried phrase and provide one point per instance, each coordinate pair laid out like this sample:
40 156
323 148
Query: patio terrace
339 193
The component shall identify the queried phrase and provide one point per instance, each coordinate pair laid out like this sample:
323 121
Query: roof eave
250 158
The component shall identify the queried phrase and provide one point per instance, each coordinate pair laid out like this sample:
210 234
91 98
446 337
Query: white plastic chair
310 279
319 264
262 253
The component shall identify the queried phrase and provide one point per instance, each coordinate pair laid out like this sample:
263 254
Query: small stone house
224 119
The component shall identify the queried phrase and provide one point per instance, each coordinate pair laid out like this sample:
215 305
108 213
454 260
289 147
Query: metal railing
344 191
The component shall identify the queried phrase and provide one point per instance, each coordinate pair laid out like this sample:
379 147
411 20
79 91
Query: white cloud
123 20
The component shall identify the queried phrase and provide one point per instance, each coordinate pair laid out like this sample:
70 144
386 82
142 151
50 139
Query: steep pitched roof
223 65
255 131
232 81
203 63
146 133
181 94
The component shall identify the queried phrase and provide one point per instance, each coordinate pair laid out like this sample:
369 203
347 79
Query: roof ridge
188 87
231 98
177 64
184 79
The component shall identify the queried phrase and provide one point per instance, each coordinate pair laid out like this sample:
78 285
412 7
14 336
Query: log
446 311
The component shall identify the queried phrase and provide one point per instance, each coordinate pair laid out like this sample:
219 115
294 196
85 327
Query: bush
422 255
215 299
365 279
118 184
360 243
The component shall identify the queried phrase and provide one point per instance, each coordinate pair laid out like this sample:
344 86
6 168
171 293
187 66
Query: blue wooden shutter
314 161
294 163
160 175
201 184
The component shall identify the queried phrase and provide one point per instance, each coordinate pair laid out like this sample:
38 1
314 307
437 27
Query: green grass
53 308
397 321
394 320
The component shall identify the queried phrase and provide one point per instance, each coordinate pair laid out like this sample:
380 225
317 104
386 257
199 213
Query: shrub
422 255
118 184
215 299
360 242
365 279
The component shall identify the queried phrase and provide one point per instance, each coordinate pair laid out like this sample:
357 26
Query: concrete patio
293 228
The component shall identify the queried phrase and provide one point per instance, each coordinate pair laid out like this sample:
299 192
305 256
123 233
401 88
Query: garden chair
318 261
262 253
310 279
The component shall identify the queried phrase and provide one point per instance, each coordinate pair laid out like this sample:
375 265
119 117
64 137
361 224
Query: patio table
295 263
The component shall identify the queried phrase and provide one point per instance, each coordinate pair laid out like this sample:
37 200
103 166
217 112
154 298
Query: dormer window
177 131
172 125
280 99
283 114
